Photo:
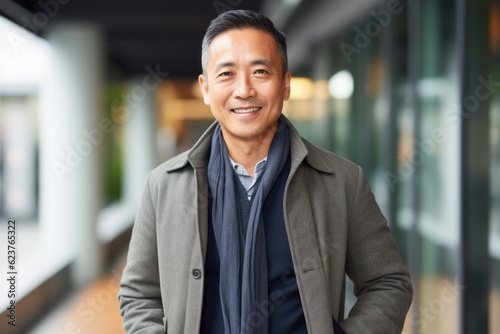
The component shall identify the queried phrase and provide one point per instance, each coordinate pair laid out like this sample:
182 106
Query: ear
204 89
286 85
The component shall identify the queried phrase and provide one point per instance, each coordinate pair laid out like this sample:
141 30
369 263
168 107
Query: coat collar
301 150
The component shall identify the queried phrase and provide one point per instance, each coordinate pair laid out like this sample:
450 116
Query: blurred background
94 94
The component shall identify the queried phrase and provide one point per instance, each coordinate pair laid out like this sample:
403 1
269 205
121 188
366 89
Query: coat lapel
304 245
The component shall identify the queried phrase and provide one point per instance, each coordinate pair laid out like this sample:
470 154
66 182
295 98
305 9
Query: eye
225 74
260 71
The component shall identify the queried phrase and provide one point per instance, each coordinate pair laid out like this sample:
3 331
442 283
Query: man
254 228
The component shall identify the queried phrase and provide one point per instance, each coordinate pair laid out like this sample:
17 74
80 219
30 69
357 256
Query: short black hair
241 19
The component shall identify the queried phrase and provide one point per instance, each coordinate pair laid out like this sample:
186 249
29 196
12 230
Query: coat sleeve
381 280
140 295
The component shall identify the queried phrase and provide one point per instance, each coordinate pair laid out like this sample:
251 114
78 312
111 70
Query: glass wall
436 157
494 233
402 124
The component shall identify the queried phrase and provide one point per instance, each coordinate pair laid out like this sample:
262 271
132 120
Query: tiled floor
93 311
440 307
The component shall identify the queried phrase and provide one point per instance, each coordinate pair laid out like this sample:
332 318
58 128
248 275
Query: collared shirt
246 179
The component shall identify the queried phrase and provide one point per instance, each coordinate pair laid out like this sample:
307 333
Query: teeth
244 111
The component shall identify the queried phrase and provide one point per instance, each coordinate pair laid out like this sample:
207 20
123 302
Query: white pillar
139 141
71 133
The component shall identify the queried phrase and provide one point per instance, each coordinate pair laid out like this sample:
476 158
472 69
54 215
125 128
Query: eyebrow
265 62
224 64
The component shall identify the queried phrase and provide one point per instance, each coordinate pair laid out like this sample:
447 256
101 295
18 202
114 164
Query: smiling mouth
245 110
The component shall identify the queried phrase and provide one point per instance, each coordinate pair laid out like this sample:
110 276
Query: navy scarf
243 258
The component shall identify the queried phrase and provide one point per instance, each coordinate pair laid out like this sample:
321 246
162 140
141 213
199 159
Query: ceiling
167 34
137 33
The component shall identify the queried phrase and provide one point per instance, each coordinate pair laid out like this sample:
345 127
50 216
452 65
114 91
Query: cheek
276 99
220 97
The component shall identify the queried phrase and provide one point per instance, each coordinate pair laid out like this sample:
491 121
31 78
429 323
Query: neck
248 152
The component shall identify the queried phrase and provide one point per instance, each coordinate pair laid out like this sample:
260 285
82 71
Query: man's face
244 84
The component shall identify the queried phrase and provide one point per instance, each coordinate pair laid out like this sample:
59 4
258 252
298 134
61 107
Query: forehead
248 42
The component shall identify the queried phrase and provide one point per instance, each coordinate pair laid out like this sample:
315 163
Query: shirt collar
240 170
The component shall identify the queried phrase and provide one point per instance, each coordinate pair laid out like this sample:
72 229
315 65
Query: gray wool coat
334 227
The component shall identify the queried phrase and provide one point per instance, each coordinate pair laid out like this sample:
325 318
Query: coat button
196 273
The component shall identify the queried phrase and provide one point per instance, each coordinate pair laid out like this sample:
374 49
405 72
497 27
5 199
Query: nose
243 88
